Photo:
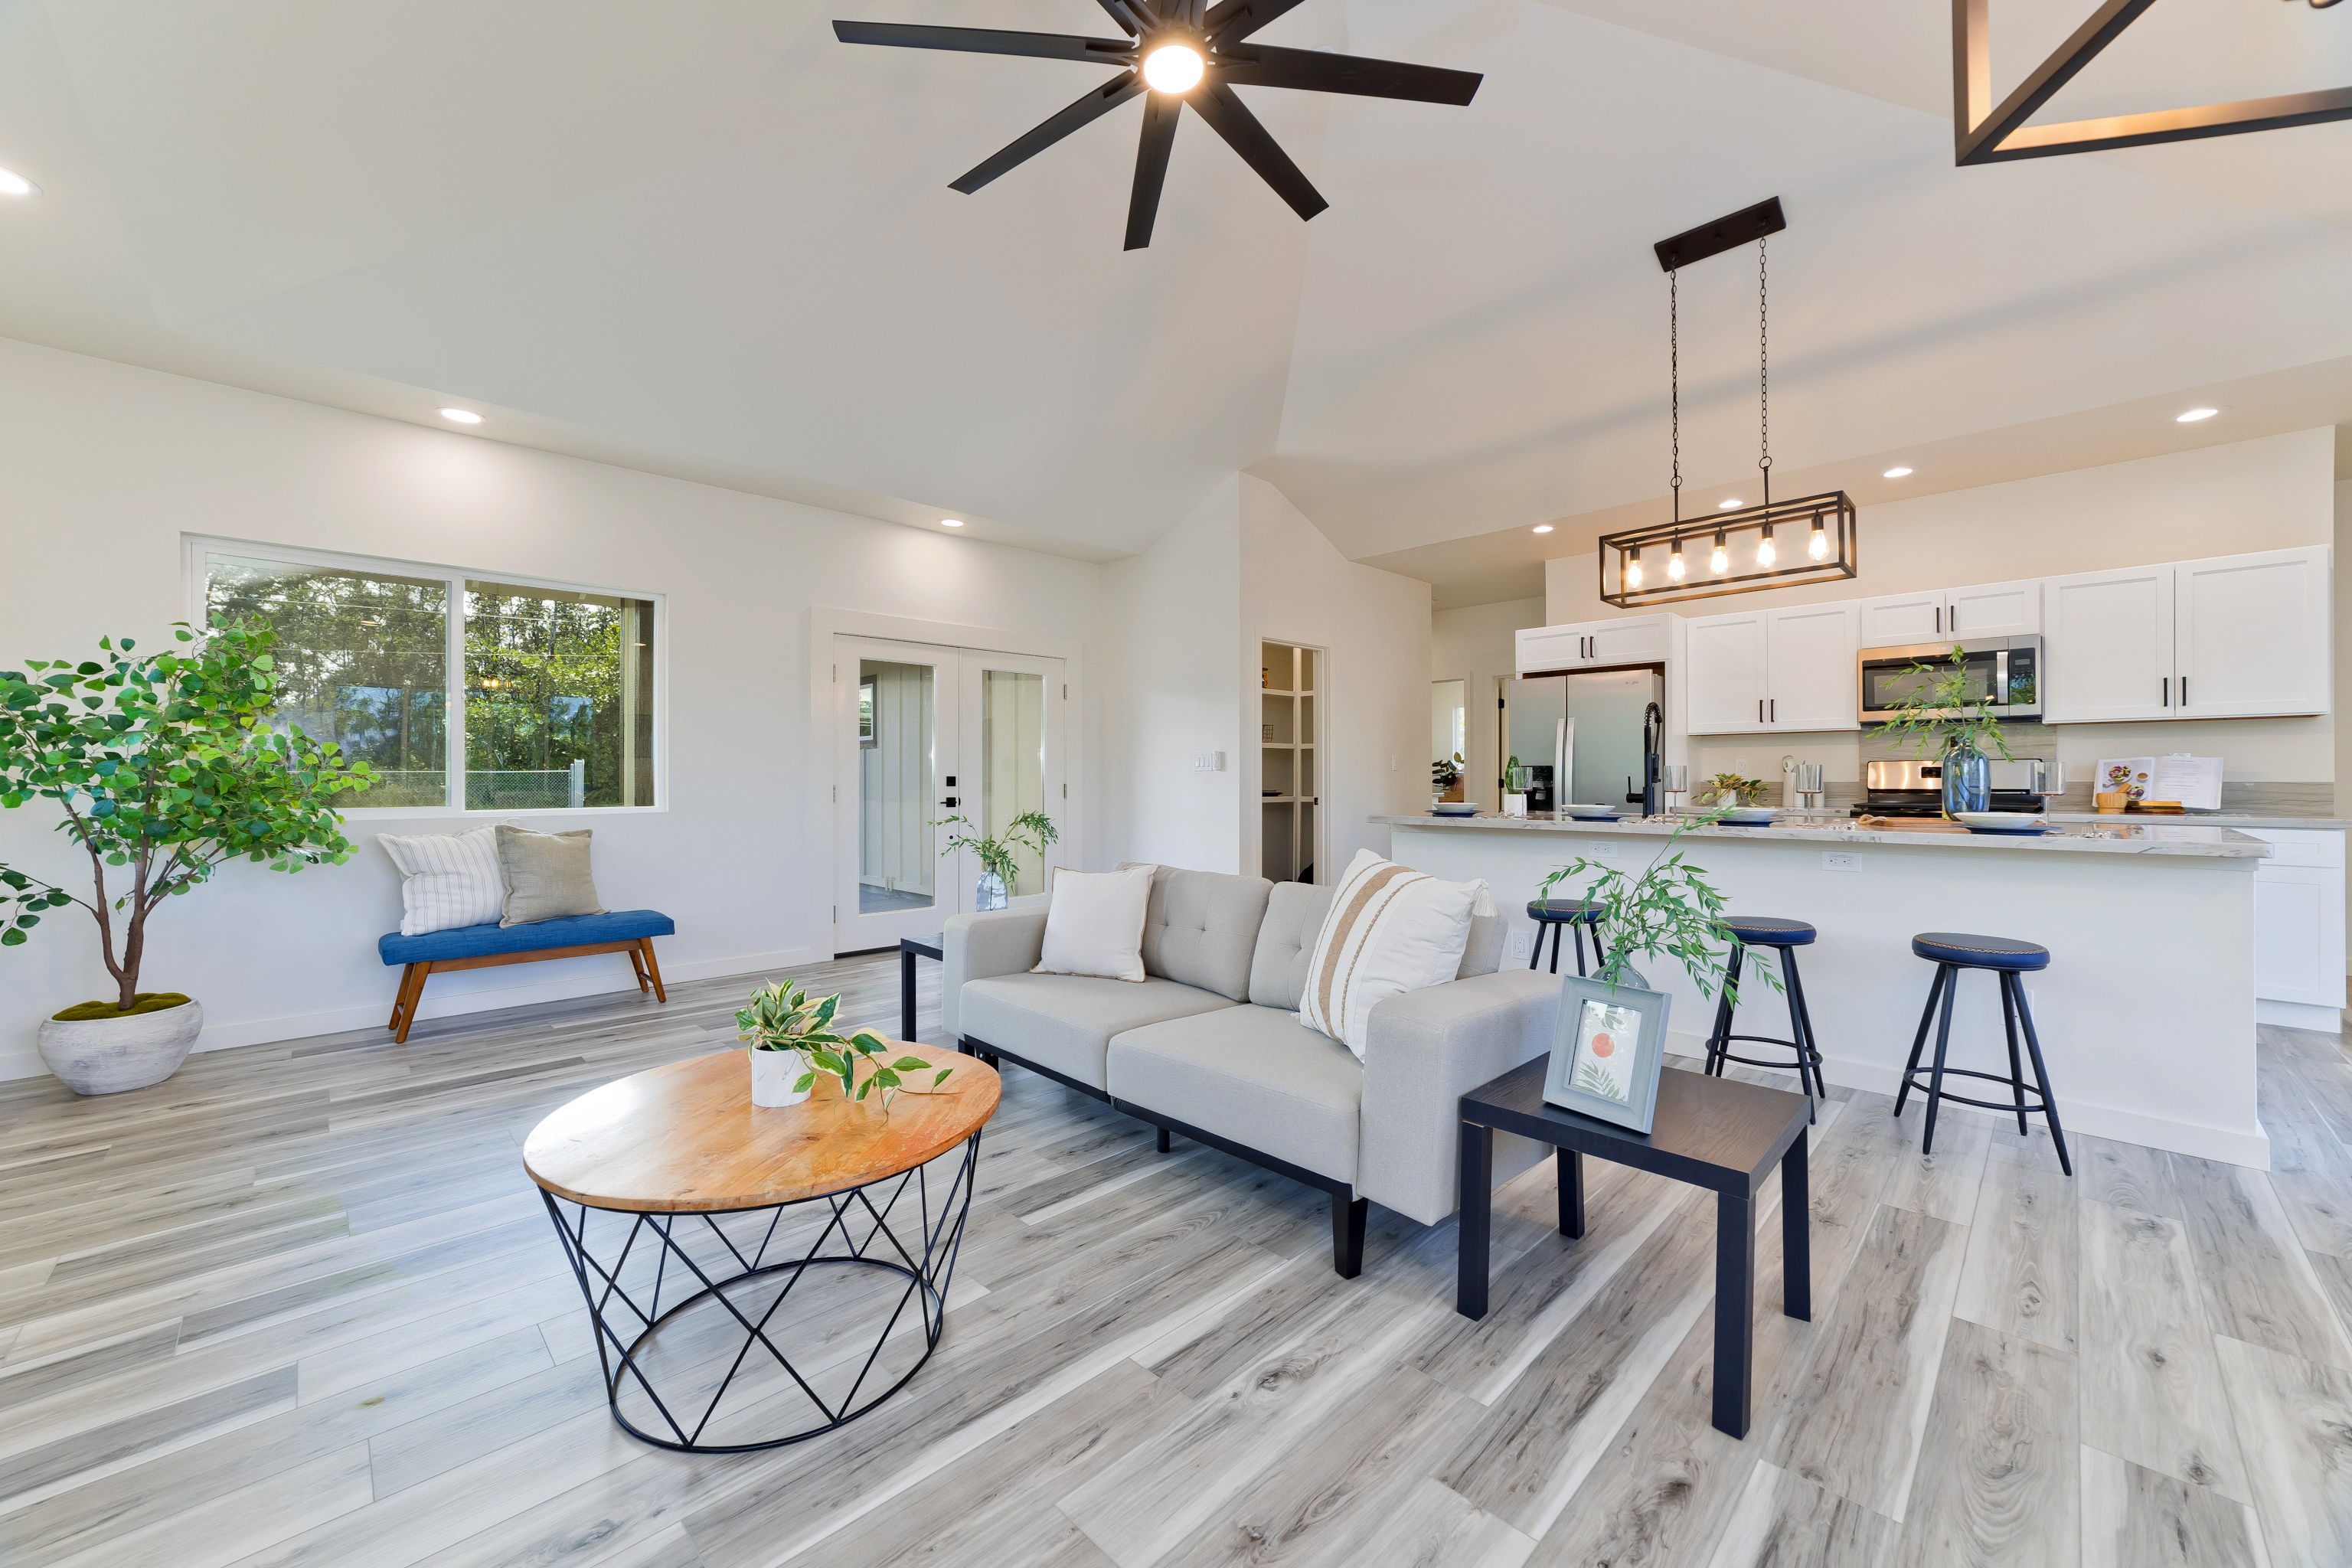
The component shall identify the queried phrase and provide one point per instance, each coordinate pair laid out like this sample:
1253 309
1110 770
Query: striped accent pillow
1390 929
446 880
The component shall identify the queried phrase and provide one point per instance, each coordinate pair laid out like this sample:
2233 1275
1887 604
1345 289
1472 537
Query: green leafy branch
784 1017
1939 713
1670 908
1032 830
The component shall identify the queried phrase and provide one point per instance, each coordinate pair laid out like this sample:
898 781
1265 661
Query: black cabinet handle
1940 618
2168 691
2184 691
1776 711
1760 709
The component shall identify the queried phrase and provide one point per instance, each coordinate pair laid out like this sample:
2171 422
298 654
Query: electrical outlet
1604 850
1519 940
1837 860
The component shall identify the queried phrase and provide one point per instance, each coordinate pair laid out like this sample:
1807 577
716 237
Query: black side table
1714 1132
909 949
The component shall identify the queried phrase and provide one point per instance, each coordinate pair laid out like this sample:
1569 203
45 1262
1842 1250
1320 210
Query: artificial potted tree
164 768
1941 715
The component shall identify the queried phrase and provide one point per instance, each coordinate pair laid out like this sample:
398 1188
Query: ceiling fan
1180 52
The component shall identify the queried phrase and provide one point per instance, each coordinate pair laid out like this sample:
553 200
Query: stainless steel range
1916 788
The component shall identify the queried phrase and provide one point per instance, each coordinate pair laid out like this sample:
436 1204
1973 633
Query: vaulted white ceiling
709 239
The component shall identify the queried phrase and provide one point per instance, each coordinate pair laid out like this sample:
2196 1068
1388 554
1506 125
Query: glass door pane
896 741
1012 719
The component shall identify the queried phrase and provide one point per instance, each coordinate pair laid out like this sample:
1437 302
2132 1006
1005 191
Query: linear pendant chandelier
1776 545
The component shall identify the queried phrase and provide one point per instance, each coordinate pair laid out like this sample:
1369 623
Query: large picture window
462 692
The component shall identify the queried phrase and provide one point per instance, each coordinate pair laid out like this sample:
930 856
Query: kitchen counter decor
1942 716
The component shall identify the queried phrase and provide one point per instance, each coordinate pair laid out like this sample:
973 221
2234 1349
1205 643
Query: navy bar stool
2006 958
1784 937
1551 914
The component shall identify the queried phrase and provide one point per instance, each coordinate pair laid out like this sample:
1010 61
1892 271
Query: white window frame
192 549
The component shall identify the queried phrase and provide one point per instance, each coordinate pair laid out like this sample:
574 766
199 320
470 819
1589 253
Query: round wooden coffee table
672 1181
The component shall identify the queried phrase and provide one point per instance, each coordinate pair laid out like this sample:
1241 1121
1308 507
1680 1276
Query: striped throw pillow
1390 929
446 880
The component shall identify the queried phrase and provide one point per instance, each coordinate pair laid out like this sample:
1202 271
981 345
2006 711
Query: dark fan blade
1090 107
1129 22
1259 65
1231 21
1231 119
988 41
1159 115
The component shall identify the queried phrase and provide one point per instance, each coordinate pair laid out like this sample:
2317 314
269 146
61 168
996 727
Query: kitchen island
2146 1012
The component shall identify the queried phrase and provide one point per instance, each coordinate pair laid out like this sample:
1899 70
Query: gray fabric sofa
1209 1045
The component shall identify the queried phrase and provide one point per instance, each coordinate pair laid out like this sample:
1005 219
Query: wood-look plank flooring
300 1306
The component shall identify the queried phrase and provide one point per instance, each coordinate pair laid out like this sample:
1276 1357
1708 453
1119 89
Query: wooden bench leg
637 963
412 987
399 998
652 968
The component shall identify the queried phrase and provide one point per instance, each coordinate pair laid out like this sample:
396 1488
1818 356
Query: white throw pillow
1095 923
1390 929
446 880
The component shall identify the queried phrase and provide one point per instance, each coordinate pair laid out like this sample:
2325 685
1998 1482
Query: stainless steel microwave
2005 672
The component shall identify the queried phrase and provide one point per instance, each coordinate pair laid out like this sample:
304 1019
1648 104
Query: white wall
1171 635
107 466
1297 588
2269 494
1475 643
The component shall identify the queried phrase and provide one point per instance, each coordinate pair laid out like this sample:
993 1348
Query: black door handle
948 801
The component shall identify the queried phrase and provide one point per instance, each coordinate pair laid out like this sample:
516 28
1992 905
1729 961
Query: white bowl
1456 807
1588 810
1997 819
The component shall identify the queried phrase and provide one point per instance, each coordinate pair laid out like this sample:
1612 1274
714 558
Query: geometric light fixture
1812 539
1984 134
1179 53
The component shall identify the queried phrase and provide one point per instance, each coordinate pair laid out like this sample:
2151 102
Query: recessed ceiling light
461 415
1896 474
1543 527
950 523
2194 414
1734 504
13 184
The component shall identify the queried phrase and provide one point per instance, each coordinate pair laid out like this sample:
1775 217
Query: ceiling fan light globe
1173 68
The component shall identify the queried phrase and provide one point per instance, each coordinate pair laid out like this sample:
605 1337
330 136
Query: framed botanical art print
1608 1049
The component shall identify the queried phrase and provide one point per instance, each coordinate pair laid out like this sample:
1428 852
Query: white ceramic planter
108 1055
774 1074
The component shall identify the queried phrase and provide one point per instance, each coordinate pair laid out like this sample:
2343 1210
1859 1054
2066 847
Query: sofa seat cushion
1253 1075
1064 1022
481 941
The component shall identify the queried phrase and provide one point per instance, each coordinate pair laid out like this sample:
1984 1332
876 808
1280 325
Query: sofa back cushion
1201 927
1294 918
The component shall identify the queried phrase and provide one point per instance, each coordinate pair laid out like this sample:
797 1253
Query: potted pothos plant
1940 715
164 767
1000 867
792 1041
1669 909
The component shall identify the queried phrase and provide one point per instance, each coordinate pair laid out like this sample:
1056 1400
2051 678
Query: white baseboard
2300 1015
228 1034
2226 1145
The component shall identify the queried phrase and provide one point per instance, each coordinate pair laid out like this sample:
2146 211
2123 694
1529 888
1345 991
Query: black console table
1714 1132
909 949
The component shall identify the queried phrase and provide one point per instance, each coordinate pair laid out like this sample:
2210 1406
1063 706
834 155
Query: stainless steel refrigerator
1597 732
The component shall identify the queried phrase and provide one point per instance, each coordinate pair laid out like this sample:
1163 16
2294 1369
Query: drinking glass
1673 784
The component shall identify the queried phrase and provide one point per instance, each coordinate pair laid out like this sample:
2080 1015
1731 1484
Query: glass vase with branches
999 858
1669 907
1940 714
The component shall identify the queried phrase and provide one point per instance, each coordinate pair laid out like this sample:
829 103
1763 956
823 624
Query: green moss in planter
148 1002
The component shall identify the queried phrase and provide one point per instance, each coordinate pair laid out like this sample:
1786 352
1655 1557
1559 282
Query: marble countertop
2100 835
2211 819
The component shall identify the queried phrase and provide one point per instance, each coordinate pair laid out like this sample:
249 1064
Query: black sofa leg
1163 1139
1348 1234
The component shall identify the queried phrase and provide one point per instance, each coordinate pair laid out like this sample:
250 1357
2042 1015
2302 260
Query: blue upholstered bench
487 946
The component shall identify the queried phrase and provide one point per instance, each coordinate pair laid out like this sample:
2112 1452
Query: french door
924 733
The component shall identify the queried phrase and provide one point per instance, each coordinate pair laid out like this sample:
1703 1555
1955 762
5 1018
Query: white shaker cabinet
2108 646
1902 620
2252 635
1722 674
1994 610
1628 639
1810 672
2299 929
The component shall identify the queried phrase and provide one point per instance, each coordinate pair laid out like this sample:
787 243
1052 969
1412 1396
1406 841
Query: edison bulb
1819 549
1172 67
1633 573
1765 553
1720 562
1674 565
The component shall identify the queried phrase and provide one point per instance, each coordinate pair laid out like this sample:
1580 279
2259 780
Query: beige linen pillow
546 875
1390 929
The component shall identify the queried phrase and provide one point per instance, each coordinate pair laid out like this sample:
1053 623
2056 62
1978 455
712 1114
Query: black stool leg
2041 1076
1555 949
1805 1017
1580 970
1719 1042
1943 1042
2016 1074
1535 953
1808 1076
1919 1041
1600 953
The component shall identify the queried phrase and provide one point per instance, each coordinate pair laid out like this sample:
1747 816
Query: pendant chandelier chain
1764 372
1674 377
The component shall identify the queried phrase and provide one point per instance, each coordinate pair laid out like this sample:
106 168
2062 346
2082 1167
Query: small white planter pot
108 1055
774 1076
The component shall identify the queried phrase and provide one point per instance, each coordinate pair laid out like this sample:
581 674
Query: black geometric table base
857 1235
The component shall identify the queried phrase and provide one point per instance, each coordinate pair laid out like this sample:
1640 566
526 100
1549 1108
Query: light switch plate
1209 761
1838 860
